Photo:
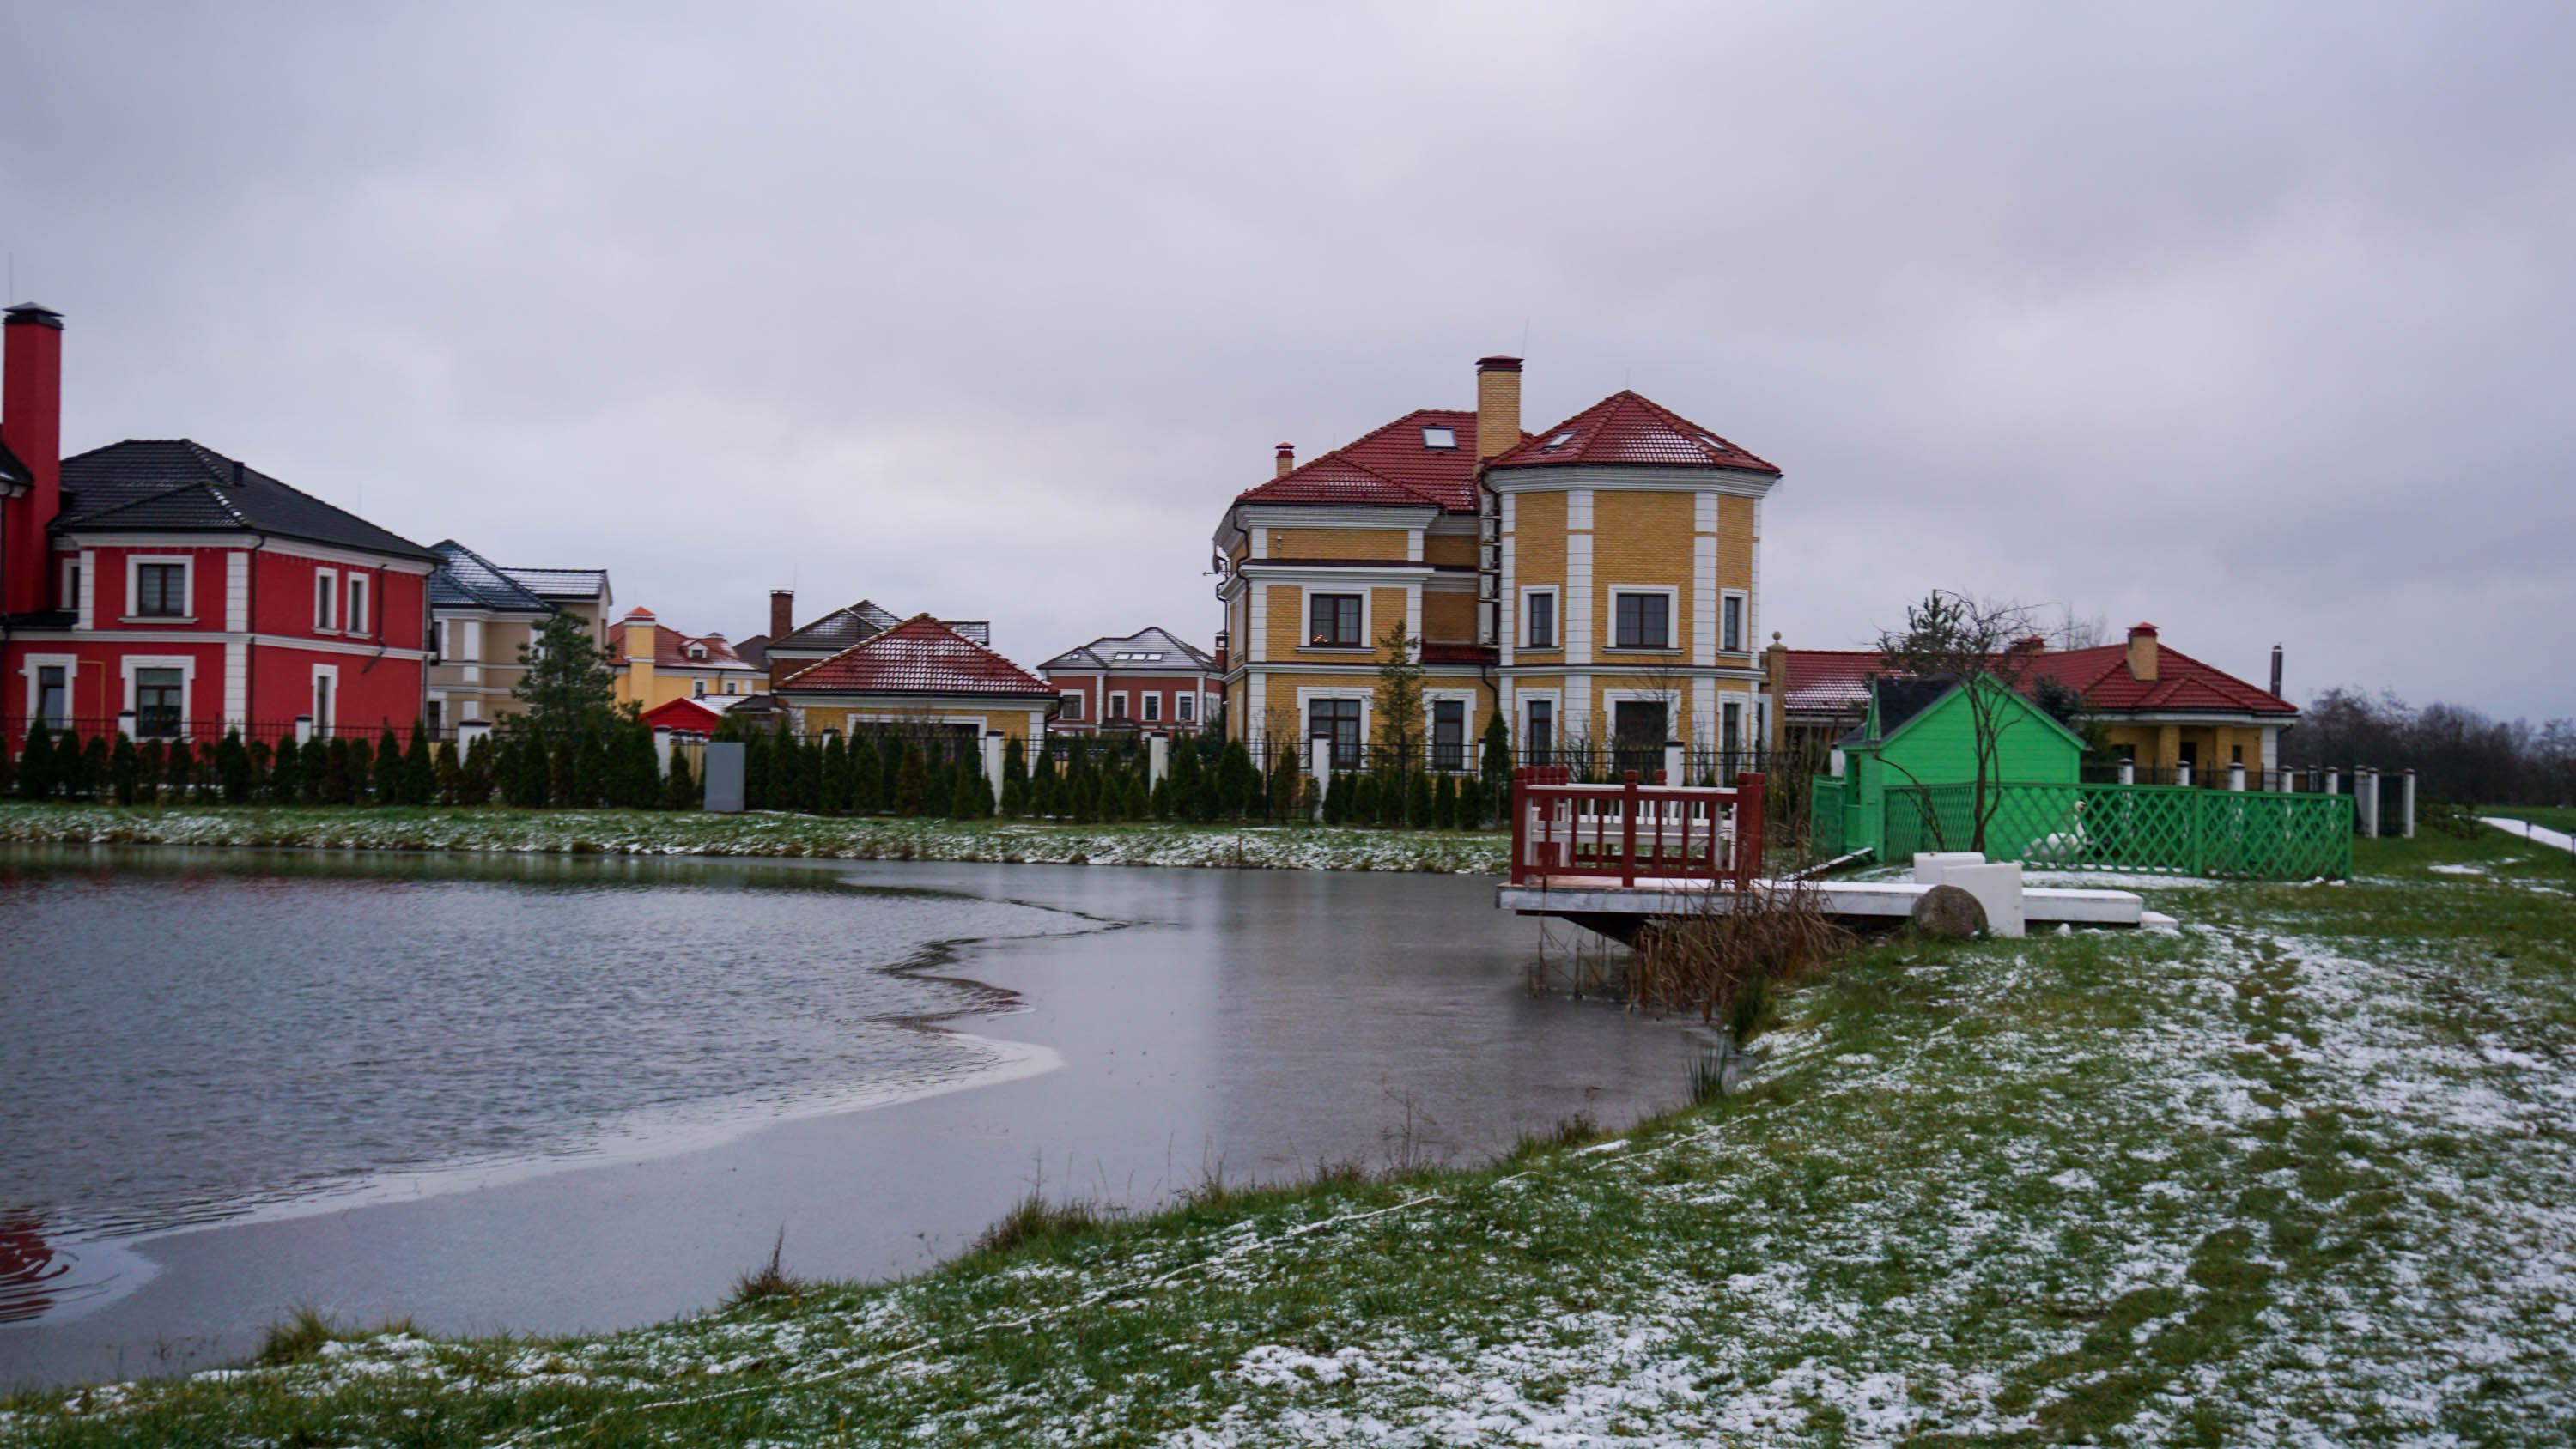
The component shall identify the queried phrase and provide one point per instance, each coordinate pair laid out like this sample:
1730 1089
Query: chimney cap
1287 450
30 314
2028 644
1498 364
782 593
638 612
2137 629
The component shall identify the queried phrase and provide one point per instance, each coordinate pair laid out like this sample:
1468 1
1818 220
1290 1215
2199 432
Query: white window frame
1467 738
1306 618
326 603
356 614
1556 616
1149 706
70 665
1743 621
186 664
324 720
71 582
1672 619
1184 712
1554 699
1305 713
134 563
1115 712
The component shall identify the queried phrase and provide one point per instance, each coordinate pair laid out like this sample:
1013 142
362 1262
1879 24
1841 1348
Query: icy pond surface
547 1094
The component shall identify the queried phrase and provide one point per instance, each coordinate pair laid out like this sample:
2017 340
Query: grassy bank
2297 1173
638 832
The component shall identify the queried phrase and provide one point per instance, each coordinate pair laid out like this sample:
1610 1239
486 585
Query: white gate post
2365 790
125 723
1319 763
303 728
2236 776
1158 758
662 749
993 766
1673 764
2182 772
2407 826
2128 772
2334 781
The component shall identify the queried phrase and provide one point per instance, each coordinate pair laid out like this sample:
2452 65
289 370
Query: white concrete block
1997 888
1932 865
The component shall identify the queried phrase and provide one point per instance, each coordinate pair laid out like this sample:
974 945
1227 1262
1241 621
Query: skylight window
1439 437
1136 656
1712 442
1559 441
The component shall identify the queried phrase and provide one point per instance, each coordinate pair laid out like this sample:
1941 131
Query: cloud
2249 321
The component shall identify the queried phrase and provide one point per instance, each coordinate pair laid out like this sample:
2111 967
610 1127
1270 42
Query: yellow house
1598 582
659 665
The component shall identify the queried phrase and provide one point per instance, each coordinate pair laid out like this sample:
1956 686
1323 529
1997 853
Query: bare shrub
1722 959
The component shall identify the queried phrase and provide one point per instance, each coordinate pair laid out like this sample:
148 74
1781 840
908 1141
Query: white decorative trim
1703 710
1507 622
1556 617
1113 708
237 591
186 664
326 601
1704 616
227 539
357 613
1413 545
1703 510
1737 482
1578 510
323 720
1576 624
1306 618
68 582
236 682
187 563
87 617
1744 636
1413 624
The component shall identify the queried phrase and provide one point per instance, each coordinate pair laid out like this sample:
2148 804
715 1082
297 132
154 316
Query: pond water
549 1094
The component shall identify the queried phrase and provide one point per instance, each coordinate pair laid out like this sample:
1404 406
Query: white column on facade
1507 608
237 590
1753 584
1413 545
1704 618
1260 546
88 616
1037 730
1575 714
1256 706
1413 612
1703 713
1256 647
236 681
1576 610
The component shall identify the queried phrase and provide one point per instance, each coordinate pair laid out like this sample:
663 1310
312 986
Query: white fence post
2182 772
662 749
303 729
2128 772
2334 781
993 766
1673 766
2408 806
469 733
125 723
1158 758
2236 776
1319 763
2365 790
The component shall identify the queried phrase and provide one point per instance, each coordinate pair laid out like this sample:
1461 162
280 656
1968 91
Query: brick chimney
2142 653
782 614
31 422
2028 644
1498 406
1287 461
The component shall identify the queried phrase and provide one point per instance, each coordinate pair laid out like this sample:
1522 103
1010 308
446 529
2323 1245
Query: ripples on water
190 1043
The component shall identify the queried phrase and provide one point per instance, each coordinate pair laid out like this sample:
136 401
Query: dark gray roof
1102 653
175 485
468 580
839 629
561 583
1900 700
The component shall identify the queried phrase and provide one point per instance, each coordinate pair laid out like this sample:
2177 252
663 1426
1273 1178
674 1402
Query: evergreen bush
447 775
233 767
89 772
1015 779
561 774
419 767
36 777
834 796
911 781
1417 801
474 774
867 779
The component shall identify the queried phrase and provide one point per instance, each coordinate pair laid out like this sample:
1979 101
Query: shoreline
762 834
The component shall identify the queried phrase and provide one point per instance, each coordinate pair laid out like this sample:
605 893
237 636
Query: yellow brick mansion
1598 581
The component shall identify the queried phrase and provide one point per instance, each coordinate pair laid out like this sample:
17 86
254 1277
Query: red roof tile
918 656
1391 466
671 648
1627 429
1837 681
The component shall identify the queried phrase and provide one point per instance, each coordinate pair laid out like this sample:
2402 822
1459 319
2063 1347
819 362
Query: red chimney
31 422
782 614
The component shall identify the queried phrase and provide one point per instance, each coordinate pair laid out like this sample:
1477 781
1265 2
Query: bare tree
1968 642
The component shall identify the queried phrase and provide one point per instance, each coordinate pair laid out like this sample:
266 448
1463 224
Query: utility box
723 770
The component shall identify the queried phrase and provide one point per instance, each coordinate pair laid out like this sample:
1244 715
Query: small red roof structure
684 715
1626 429
1402 465
918 656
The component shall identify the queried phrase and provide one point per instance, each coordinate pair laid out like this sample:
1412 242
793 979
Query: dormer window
1559 441
1440 437
697 651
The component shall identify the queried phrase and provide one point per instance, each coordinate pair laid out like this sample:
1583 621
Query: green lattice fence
1825 818
2166 828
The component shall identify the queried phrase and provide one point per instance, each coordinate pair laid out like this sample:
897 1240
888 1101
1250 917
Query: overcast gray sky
2254 321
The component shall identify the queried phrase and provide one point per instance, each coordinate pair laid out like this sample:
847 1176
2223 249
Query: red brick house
1150 679
160 587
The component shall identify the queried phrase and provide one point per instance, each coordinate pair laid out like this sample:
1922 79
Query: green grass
2299 1172
639 832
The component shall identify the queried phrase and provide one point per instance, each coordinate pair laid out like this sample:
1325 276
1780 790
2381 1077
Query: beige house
482 614
1598 581
657 665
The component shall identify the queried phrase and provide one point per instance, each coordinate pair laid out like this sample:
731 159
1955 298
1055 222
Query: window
53 695
1559 441
1118 705
697 689
733 686
1731 624
1333 621
1153 708
1642 621
1181 707
161 590
1538 737
1337 720
1448 734
325 703
1072 706
326 595
434 707
1538 619
1639 729
1136 656
156 701
1440 437
71 583
357 603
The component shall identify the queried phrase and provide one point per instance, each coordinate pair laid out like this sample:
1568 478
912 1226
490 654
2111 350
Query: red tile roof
918 656
2182 683
684 714
1392 466
671 648
1837 681
1627 429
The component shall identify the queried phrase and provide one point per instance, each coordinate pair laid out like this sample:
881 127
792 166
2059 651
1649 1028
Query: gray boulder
1949 913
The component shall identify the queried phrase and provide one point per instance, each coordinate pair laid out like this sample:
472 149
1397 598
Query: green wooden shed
1923 732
